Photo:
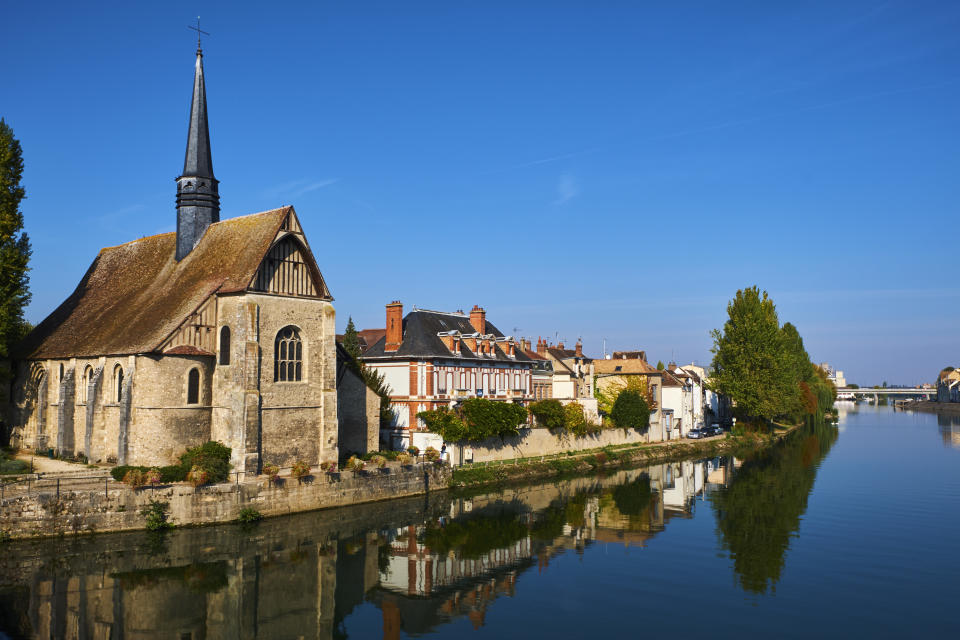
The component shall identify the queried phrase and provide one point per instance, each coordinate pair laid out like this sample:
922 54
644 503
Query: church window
85 383
288 356
225 345
118 383
61 372
193 386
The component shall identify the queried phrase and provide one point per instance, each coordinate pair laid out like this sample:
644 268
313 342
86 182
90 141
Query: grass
10 466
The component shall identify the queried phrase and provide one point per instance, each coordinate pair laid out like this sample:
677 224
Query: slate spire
198 198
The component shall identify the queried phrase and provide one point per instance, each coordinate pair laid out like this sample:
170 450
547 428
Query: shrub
300 470
379 461
550 414
630 411
405 459
212 457
135 477
198 477
576 420
431 454
248 515
156 514
486 418
444 423
600 457
355 464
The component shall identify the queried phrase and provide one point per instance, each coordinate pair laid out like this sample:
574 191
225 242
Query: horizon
677 156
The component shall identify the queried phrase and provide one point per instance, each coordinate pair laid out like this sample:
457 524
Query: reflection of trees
633 498
477 533
761 509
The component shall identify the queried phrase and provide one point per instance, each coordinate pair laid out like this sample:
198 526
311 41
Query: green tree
749 357
660 366
351 341
631 411
549 414
14 244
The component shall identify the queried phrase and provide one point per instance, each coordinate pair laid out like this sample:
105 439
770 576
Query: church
222 330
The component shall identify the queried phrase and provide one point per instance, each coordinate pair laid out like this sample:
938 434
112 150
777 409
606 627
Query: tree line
763 367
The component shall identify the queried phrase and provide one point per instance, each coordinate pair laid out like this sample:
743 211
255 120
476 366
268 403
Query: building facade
434 359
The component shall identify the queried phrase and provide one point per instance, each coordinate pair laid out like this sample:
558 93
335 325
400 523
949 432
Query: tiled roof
420 339
136 295
623 366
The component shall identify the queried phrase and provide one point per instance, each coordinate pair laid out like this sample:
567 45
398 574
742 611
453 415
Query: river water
840 530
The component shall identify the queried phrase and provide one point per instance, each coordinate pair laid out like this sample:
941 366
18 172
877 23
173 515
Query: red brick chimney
524 344
579 348
560 345
478 318
541 346
394 326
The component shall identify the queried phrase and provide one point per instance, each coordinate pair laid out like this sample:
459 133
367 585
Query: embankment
932 406
119 508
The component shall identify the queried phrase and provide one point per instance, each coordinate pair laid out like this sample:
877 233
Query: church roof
134 296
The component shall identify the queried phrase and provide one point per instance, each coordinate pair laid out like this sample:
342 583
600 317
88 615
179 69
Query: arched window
225 345
193 386
288 356
85 383
118 383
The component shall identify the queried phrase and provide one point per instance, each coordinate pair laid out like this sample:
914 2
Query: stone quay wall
119 507
535 442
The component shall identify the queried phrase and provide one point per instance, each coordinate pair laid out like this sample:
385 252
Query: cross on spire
199 33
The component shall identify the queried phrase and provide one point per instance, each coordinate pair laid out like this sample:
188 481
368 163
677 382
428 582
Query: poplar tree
749 361
14 244
351 341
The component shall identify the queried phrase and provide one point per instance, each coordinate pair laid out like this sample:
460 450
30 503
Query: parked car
696 434
714 430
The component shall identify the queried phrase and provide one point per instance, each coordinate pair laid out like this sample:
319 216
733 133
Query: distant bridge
917 391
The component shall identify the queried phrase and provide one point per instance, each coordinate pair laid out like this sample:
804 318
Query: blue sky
607 170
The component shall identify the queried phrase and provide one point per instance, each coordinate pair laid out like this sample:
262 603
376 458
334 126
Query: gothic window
288 356
193 386
85 383
225 345
118 383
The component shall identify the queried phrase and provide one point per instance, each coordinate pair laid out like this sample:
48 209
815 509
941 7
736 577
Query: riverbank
932 406
543 467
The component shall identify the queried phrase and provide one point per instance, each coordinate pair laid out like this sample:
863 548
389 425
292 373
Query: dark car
714 430
696 434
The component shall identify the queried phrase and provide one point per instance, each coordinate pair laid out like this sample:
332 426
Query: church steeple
198 198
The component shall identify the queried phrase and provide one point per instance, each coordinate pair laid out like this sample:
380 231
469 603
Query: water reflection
949 430
421 563
760 510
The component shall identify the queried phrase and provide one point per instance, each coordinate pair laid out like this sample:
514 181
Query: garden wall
541 442
118 509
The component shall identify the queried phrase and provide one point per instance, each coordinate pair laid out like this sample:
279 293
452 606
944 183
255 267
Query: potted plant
272 472
431 454
379 462
135 478
413 451
405 459
355 464
329 467
300 470
153 477
198 477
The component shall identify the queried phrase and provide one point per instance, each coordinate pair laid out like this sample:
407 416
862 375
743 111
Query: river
842 530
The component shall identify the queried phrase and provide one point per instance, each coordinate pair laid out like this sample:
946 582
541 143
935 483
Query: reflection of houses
949 430
948 386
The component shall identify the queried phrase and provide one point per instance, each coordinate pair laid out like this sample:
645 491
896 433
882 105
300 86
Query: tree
631 411
351 341
606 393
549 414
14 243
660 366
749 360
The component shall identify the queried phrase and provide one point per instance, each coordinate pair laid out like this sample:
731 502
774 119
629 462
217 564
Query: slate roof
420 339
136 295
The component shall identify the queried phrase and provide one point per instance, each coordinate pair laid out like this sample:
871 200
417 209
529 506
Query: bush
355 464
156 514
487 418
300 470
577 422
445 423
135 477
630 411
550 414
405 459
431 454
212 457
249 515
379 461
153 477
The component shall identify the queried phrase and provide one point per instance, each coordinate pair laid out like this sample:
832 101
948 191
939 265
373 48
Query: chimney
579 348
478 318
394 326
525 344
560 345
541 346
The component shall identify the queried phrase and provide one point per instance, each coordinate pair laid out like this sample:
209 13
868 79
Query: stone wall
358 413
541 442
118 508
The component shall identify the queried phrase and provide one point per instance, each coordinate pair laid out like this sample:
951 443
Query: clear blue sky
607 170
